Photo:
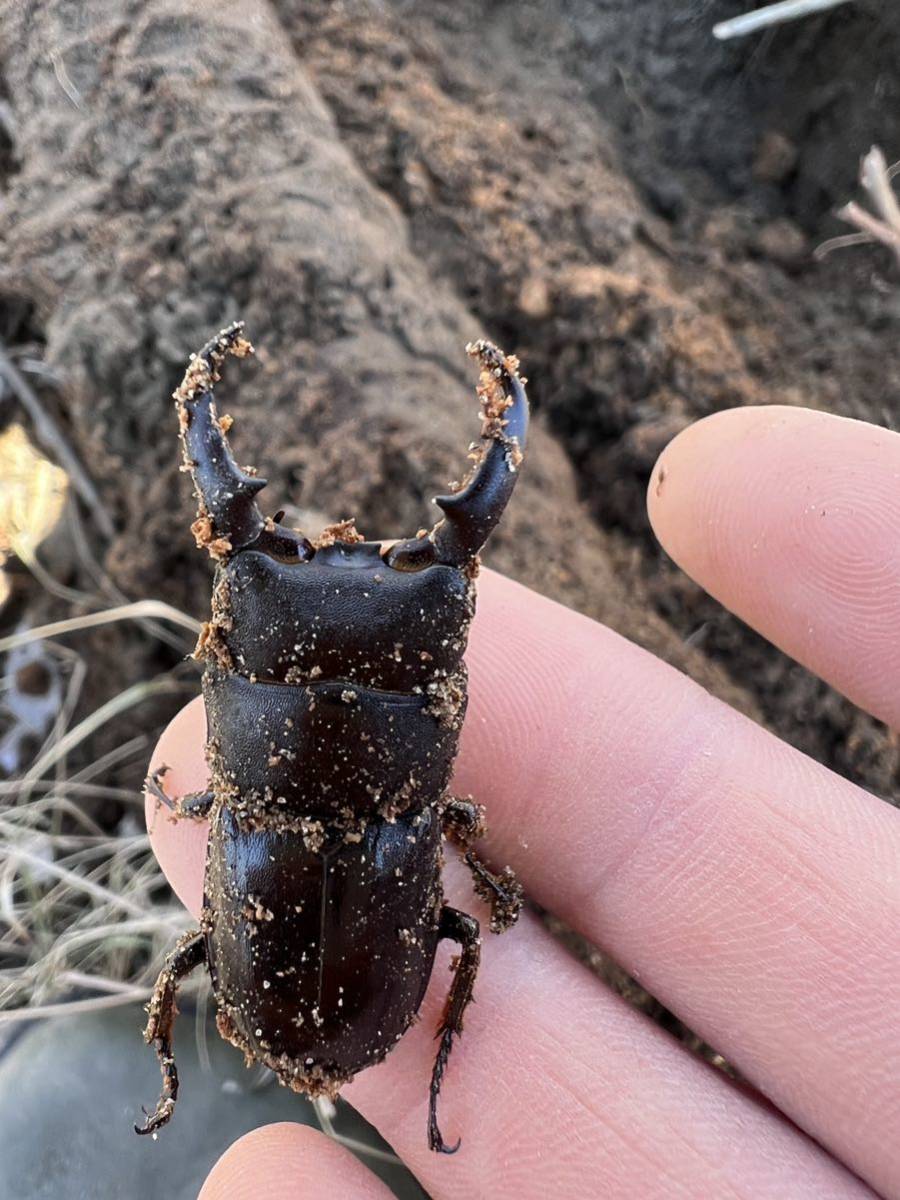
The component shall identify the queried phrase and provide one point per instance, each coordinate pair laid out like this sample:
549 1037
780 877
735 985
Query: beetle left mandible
335 692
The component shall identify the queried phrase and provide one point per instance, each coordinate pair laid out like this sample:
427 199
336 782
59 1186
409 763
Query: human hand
753 892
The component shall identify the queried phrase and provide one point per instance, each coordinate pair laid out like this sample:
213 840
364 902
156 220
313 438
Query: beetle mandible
335 691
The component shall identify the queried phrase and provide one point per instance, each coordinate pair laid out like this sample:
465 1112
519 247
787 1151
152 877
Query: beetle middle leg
458 927
194 806
189 953
463 822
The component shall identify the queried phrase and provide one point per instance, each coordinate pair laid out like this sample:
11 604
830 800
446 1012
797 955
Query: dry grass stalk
881 226
85 914
770 15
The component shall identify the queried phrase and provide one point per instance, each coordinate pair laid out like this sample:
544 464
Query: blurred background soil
629 205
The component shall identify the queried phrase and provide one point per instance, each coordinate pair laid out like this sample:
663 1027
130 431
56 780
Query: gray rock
71 1089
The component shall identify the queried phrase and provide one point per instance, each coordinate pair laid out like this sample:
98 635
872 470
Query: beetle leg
458 927
189 953
194 806
463 822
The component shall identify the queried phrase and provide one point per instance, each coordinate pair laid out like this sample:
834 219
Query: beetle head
288 607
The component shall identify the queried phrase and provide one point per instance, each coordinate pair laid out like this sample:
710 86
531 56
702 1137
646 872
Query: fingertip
289 1162
788 516
700 469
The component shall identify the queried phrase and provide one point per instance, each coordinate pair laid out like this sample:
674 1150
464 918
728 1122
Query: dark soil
601 187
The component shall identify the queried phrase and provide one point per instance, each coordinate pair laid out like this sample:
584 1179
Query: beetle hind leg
463 929
189 953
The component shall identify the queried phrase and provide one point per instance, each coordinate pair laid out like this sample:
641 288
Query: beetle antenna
227 514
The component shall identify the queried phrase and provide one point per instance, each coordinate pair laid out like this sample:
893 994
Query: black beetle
335 691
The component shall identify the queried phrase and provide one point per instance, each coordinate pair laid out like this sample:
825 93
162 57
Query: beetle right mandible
335 691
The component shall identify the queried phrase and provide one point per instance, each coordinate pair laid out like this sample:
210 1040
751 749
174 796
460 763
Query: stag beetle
335 691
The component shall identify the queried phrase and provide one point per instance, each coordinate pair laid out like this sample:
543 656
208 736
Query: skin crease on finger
790 517
555 1080
290 1162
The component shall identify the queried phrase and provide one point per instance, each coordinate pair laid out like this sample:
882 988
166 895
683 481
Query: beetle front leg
463 929
193 806
189 953
463 822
